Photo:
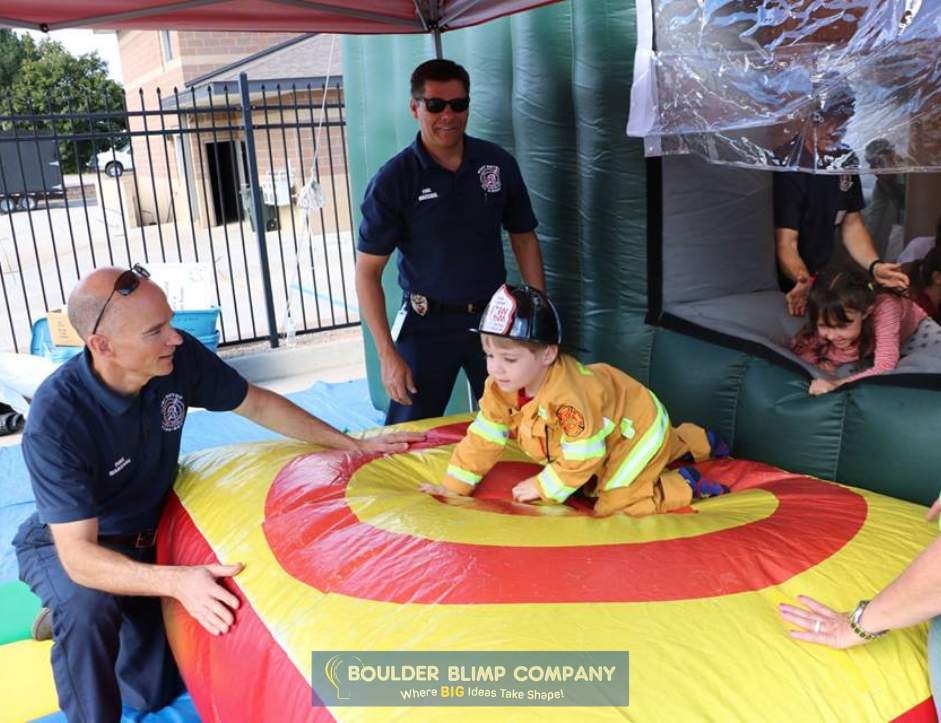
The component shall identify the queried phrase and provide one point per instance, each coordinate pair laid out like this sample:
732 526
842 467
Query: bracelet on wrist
872 268
857 628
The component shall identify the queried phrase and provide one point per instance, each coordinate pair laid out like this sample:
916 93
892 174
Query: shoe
701 486
42 625
11 423
717 446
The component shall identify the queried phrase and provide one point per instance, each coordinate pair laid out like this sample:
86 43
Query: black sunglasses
436 105
125 284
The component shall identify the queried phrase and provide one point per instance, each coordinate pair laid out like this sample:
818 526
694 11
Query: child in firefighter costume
586 424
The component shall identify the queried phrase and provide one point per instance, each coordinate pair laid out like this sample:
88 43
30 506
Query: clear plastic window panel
822 85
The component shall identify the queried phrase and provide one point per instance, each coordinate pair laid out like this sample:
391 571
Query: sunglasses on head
436 105
125 284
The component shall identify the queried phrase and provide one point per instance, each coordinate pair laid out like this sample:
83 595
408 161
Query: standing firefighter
443 202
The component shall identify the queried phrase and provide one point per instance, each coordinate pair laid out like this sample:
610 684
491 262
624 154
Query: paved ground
43 252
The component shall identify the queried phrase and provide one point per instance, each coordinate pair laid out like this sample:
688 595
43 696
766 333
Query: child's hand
827 366
932 514
440 490
526 491
822 386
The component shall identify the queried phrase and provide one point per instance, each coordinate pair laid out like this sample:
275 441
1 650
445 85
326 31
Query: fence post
258 209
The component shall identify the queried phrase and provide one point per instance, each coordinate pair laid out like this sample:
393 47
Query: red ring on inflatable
334 551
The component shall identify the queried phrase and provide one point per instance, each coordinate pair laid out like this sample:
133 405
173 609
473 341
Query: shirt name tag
427 194
119 465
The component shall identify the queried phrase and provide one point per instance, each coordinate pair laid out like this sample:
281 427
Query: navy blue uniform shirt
815 205
446 224
94 453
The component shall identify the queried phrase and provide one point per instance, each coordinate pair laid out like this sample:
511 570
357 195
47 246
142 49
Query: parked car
114 161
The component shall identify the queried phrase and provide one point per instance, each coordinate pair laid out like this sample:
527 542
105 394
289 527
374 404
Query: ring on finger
816 626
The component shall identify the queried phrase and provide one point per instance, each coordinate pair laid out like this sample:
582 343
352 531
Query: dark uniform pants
436 347
107 648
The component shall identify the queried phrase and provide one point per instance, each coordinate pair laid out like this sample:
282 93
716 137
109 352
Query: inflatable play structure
665 268
662 266
343 553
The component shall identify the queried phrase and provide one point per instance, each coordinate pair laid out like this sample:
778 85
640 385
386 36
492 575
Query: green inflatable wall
553 86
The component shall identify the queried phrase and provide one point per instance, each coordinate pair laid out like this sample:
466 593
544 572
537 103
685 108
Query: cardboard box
60 330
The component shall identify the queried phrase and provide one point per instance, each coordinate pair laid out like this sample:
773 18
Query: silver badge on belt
419 304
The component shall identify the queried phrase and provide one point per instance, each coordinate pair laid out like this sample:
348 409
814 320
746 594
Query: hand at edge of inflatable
834 628
440 490
932 514
389 443
796 298
198 590
526 491
822 386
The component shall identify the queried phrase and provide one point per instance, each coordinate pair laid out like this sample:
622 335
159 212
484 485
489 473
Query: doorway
227 173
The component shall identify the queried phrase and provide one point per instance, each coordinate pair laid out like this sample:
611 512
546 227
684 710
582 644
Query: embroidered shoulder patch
572 421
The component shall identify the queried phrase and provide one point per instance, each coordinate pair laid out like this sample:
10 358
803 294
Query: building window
166 45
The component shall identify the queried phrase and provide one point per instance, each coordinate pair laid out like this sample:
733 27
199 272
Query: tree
12 52
57 90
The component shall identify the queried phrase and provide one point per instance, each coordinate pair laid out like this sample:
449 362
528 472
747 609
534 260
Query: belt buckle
145 539
419 303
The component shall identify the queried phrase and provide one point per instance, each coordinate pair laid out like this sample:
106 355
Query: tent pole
436 34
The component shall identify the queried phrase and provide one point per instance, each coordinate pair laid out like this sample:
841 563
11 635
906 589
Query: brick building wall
155 66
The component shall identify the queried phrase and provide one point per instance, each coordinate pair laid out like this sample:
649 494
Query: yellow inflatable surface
27 690
342 553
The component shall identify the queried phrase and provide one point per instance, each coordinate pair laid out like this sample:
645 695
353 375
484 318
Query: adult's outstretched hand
389 443
819 624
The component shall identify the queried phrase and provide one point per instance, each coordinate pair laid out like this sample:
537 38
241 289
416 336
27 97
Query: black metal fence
246 184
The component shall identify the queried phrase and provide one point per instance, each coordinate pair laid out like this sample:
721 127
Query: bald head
89 297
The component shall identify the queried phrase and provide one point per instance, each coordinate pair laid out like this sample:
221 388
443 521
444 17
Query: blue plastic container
198 323
210 341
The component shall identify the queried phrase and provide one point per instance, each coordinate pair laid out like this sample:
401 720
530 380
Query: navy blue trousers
436 347
107 648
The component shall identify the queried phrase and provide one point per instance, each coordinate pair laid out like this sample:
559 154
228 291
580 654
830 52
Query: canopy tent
738 82
359 17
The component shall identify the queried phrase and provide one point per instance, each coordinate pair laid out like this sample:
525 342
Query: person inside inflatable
769 102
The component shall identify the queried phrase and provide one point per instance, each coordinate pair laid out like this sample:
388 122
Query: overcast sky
79 42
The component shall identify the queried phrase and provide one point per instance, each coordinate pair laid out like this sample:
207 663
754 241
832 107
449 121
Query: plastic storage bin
210 341
198 323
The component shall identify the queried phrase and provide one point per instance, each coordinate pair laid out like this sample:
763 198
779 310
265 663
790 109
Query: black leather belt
422 305
142 540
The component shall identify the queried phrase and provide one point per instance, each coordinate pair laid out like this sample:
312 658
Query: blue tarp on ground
180 710
345 406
